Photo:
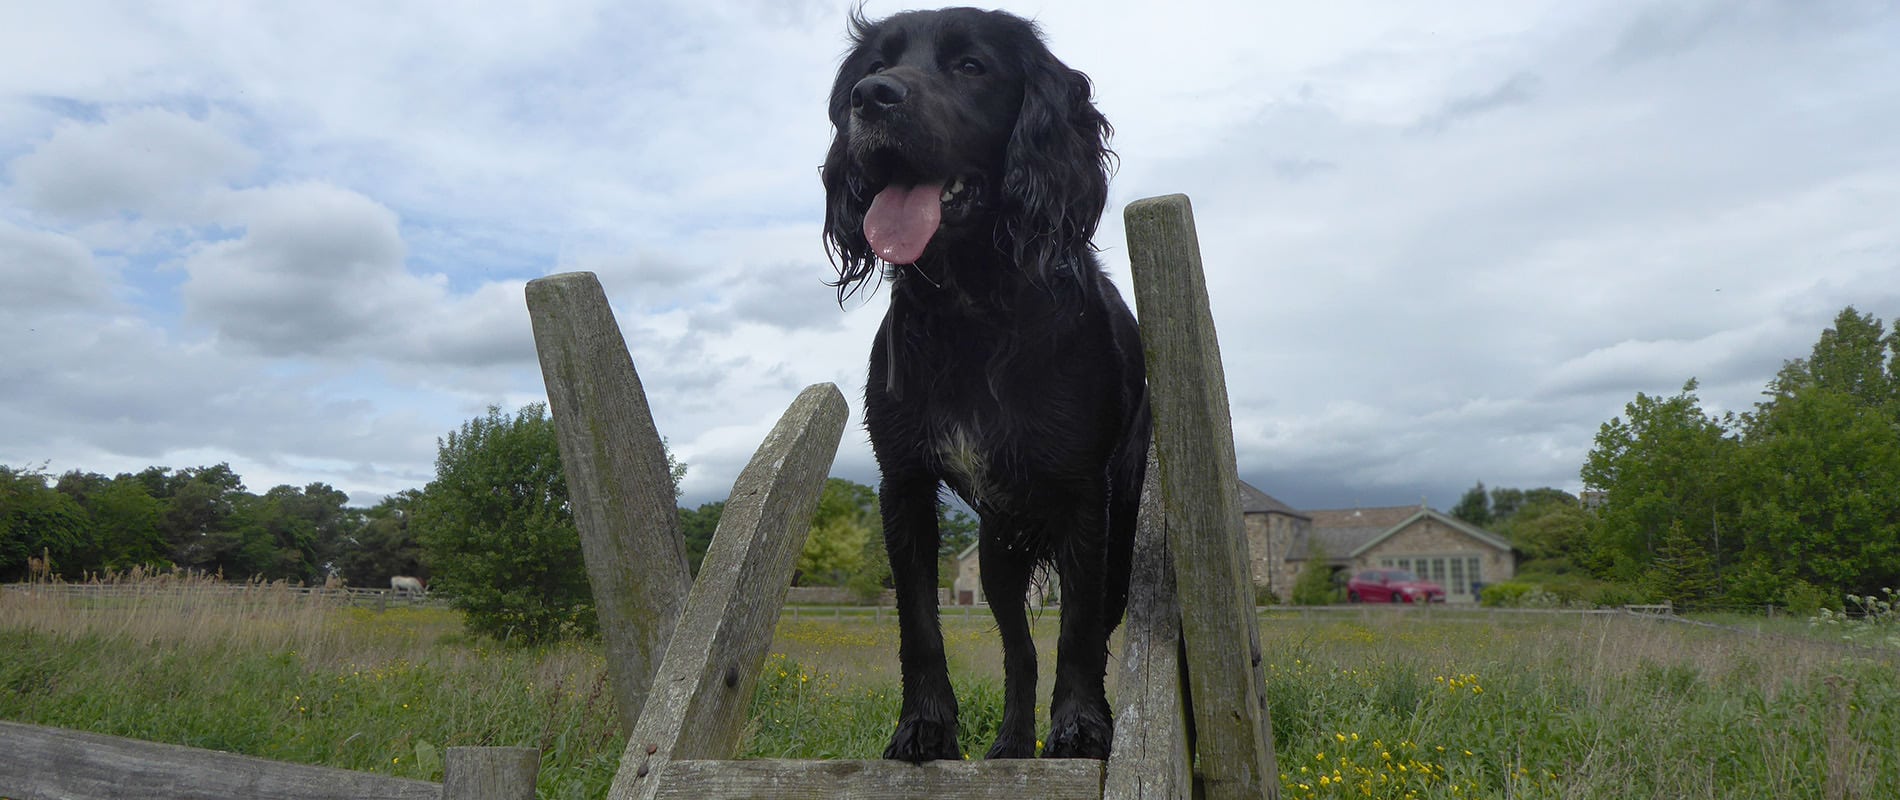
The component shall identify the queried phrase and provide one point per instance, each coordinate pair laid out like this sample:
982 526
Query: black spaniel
972 165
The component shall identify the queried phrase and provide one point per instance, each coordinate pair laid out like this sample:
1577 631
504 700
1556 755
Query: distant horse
405 586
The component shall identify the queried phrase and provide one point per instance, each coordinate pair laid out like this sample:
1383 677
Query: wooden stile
1194 444
1191 645
696 708
40 763
685 655
501 773
1009 779
621 493
1151 758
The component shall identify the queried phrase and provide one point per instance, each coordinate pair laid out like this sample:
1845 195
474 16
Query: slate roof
1346 532
1254 501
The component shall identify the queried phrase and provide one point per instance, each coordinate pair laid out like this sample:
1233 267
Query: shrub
1314 586
1506 594
1877 619
497 533
1802 597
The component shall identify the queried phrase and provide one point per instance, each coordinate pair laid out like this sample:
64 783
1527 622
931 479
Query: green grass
1384 703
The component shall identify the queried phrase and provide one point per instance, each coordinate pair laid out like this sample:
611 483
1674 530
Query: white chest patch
960 456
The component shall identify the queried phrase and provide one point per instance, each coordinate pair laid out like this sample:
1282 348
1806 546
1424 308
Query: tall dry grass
1380 703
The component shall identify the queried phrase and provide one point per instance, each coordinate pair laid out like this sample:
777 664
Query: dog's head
958 126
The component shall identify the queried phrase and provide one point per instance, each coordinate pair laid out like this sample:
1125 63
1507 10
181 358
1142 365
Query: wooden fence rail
38 763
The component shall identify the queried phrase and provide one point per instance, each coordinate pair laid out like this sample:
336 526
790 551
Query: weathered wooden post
617 479
1150 759
1194 443
490 773
704 687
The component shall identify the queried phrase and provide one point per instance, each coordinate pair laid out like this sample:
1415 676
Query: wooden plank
490 773
1150 759
698 704
1194 441
39 763
617 480
1003 779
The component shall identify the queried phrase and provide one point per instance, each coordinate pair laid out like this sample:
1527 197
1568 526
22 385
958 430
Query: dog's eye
875 68
970 66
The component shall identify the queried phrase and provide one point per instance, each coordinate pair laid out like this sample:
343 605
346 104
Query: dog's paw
918 740
1012 747
1080 735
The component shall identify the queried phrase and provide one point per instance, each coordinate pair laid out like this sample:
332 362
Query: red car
1392 586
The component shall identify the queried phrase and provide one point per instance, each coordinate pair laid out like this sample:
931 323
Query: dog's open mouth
904 216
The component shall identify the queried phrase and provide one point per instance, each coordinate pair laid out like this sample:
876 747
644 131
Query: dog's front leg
1007 568
927 726
1079 719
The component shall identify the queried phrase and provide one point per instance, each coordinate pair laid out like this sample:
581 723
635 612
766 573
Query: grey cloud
1518 90
317 269
1672 29
789 296
149 161
42 271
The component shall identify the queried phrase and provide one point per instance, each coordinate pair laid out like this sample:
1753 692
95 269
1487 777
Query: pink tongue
902 219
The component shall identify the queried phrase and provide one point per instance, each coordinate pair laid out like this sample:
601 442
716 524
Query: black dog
973 165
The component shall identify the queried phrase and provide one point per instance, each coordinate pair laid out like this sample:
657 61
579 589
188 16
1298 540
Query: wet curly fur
1007 366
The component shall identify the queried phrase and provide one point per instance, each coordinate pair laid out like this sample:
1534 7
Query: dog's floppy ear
845 207
1055 178
845 200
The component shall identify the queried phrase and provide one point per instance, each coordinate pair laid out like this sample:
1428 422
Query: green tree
1668 463
698 526
1550 530
845 520
1684 571
497 533
1821 504
381 545
1851 359
956 531
197 524
1506 502
873 574
35 521
1314 585
127 526
1474 507
279 535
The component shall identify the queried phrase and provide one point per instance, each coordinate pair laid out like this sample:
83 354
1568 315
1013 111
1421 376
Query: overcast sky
1445 241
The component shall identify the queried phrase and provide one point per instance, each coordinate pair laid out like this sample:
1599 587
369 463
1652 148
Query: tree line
1794 503
493 531
197 518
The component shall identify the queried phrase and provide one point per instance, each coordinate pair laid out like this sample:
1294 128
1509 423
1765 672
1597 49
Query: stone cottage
1280 540
1439 547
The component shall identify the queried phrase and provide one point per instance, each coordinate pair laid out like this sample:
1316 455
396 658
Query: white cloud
318 270
147 162
1444 241
42 271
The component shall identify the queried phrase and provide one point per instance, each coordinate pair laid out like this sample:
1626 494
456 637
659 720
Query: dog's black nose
877 94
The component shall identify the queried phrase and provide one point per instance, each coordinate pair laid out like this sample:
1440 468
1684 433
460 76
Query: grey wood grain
490 773
40 763
617 480
1199 487
699 699
1150 759
1008 779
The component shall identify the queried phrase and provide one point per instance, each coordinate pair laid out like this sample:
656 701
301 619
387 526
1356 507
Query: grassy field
1384 703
